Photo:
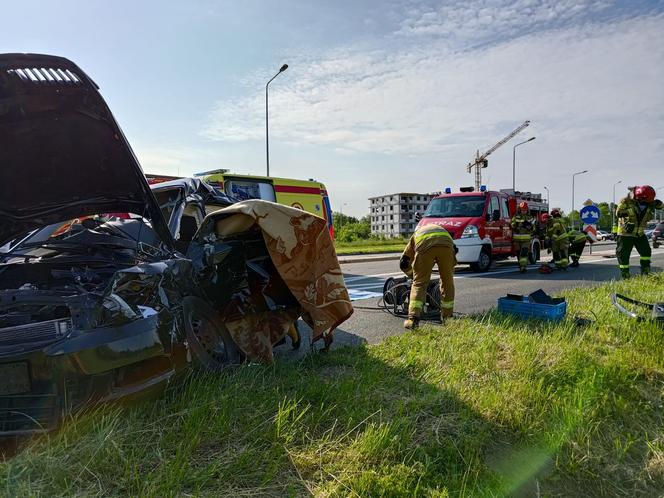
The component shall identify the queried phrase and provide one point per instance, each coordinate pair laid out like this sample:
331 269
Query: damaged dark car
102 292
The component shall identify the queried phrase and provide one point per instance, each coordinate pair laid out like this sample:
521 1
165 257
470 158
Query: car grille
28 413
34 333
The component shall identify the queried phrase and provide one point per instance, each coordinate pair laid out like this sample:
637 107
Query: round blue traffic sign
590 214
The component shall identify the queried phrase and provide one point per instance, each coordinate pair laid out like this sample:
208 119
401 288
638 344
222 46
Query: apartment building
393 215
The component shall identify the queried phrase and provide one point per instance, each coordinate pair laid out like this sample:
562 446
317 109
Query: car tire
534 255
484 262
210 344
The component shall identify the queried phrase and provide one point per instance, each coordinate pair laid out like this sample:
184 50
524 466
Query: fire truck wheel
484 262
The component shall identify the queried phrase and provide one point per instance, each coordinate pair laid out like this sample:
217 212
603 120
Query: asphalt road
475 292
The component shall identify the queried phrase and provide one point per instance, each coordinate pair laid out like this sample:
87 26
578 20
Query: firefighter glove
404 263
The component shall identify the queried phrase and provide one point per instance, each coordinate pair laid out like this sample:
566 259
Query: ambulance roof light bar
213 172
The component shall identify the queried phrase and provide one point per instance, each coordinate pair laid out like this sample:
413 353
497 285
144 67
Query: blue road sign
590 214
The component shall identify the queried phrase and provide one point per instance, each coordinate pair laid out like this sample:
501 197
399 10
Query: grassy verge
370 246
486 406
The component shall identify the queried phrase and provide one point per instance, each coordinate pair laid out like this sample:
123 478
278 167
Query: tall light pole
341 212
514 161
613 206
267 138
548 196
573 177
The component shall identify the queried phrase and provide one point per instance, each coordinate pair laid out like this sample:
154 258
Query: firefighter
430 244
559 239
523 226
633 213
577 243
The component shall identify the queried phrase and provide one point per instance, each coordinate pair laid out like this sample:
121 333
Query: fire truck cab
479 222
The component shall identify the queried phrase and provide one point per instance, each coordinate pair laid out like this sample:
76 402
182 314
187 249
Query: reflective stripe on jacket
632 222
427 236
577 236
557 230
522 225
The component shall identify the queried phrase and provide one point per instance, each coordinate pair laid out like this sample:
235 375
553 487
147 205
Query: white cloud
478 20
593 93
574 81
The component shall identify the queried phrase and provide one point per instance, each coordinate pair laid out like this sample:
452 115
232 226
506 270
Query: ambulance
308 195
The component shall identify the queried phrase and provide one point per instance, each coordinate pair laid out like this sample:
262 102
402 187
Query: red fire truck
479 222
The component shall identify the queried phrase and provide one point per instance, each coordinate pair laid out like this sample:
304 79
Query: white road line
368 286
364 277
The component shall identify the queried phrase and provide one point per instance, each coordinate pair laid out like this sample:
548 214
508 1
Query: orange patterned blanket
303 253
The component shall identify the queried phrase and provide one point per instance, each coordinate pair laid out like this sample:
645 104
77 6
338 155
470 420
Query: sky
381 96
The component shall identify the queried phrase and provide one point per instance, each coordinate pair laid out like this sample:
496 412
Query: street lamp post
514 161
267 138
548 196
573 177
341 213
613 206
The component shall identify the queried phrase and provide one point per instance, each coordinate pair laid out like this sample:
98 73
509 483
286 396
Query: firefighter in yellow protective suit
558 235
523 227
430 245
634 212
577 243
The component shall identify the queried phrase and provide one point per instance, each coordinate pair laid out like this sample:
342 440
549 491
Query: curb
368 259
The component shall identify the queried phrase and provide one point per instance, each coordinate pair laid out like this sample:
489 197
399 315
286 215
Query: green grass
485 406
370 246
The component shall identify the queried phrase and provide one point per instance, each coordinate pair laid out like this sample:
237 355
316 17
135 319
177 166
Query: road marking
364 277
358 295
367 286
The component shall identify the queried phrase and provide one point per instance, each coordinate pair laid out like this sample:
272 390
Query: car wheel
484 262
534 255
210 343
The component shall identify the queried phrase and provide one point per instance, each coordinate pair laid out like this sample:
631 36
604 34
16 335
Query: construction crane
481 160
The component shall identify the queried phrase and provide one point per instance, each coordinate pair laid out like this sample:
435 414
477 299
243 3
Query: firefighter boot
624 273
411 323
645 267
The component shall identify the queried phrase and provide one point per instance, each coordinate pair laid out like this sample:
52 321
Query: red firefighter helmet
523 206
555 212
644 193
544 217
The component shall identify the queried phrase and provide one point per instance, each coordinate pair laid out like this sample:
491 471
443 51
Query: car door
494 225
506 225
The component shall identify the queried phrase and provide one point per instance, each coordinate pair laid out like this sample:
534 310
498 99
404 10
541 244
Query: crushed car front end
62 349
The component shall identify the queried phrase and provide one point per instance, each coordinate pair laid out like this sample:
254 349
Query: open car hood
62 154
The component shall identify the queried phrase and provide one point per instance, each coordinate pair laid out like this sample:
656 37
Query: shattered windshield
168 199
469 206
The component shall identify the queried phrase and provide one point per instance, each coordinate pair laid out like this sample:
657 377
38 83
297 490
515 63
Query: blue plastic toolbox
526 309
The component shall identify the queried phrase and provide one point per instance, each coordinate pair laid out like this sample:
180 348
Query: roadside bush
354 231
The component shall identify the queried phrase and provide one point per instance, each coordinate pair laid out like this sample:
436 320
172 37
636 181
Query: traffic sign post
590 215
